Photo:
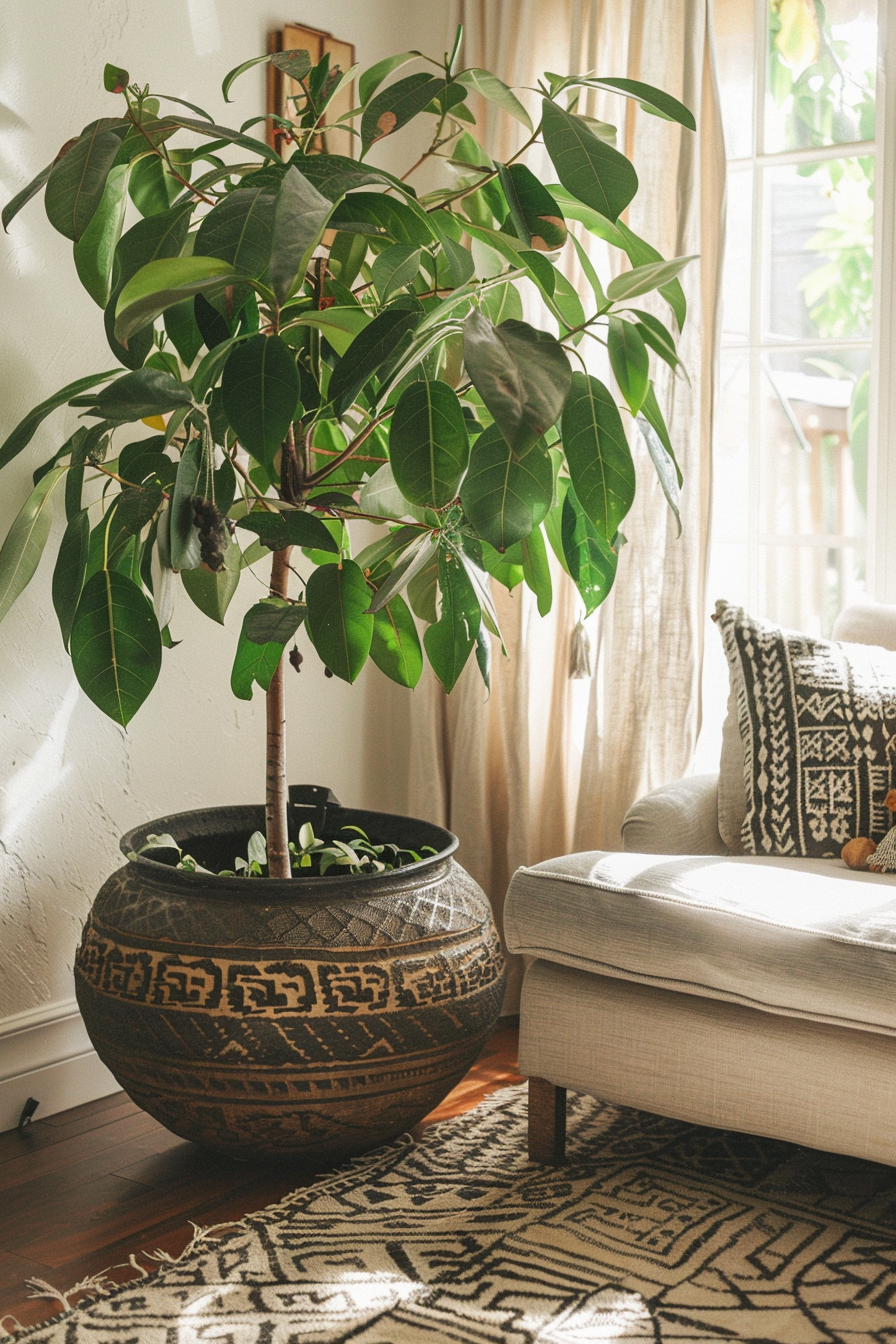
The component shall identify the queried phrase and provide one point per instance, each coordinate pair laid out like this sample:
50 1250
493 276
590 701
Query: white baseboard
45 1053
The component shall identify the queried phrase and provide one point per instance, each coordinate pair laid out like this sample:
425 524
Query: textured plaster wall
70 780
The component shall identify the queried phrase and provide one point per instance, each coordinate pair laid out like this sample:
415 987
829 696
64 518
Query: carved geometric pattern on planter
654 1230
818 724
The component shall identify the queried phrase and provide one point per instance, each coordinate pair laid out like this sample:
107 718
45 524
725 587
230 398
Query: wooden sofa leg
547 1122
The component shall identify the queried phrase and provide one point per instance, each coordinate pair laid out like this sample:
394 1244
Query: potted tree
316 346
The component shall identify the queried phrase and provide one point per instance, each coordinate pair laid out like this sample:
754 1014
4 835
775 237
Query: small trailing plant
312 344
310 856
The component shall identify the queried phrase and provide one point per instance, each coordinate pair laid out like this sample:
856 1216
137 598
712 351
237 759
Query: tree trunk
276 796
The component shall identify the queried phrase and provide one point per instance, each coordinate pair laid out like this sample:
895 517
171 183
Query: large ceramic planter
308 1018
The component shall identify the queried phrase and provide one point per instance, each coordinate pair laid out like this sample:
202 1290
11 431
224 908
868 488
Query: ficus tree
314 343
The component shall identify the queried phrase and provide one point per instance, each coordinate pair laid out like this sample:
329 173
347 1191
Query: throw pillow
817 722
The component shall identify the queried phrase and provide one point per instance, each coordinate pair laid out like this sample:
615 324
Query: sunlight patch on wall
204 27
42 775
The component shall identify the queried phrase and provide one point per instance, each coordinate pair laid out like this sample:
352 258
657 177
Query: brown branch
329 467
276 791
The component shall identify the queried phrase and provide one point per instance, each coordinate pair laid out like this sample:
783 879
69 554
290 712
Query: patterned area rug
655 1230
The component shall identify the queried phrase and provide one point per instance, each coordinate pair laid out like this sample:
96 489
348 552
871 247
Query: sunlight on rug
655 1230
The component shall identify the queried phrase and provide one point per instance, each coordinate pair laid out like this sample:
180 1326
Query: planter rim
185 822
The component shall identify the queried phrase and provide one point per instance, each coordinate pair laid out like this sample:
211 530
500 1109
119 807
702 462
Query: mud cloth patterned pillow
818 725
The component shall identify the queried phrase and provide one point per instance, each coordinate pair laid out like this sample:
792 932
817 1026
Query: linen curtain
548 764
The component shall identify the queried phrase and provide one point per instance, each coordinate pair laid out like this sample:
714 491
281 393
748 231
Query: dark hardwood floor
83 1191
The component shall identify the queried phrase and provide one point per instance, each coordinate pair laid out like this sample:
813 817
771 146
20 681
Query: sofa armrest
680 818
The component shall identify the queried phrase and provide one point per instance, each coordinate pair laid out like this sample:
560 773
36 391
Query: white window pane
731 448
805 587
737 269
734 49
820 226
821 63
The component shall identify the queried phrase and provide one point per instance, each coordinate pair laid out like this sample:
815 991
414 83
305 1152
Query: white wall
70 781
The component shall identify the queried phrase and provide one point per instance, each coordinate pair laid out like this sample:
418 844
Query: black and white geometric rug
655 1230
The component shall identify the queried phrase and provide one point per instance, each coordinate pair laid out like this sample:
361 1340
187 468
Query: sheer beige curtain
548 763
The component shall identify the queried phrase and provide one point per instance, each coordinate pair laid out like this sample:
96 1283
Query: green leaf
340 625
334 175
212 591
495 91
78 178
239 230
642 279
71 567
116 647
260 391
590 558
428 445
381 216
411 563
273 621
209 368
657 335
25 430
373 77
26 539
367 352
185 549
151 185
395 106
95 250
651 99
300 215
301 68
182 331
160 284
450 641
650 410
294 527
115 80
137 506
339 325
505 496
595 173
394 269
253 664
629 361
521 374
598 455
145 459
395 644
639 254
139 394
537 217
12 208
665 466
537 571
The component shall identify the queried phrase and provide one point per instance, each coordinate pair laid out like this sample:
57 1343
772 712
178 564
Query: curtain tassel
579 653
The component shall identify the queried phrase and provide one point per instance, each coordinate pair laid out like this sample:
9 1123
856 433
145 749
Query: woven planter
307 1018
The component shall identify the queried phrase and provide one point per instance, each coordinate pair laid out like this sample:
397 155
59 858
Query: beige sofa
756 994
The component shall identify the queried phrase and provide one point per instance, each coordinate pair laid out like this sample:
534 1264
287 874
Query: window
793 443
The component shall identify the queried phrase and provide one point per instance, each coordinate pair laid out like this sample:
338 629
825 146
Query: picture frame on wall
280 88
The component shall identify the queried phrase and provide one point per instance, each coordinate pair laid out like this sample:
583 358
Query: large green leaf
537 217
650 98
294 527
160 284
598 455
184 538
664 463
78 177
450 641
640 254
71 567
657 335
274 620
595 173
339 325
152 186
642 279
373 77
161 235
341 627
537 571
25 430
12 208
395 646
367 352
505 496
495 91
629 361
212 591
116 646
333 175
94 252
415 558
297 64
590 558
260 391
394 269
138 394
382 216
26 539
428 445
239 231
254 663
300 215
521 374
395 106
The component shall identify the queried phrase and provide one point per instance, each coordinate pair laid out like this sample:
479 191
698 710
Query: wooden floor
85 1189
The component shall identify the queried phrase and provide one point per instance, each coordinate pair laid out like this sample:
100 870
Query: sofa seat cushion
805 937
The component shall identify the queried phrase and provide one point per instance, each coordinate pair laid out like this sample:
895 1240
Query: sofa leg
547 1122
